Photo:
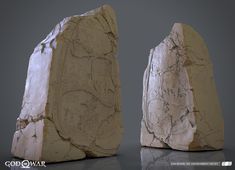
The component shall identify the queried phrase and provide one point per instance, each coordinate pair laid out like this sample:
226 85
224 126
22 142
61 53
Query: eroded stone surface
180 105
71 104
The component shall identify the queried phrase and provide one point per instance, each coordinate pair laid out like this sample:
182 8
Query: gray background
142 25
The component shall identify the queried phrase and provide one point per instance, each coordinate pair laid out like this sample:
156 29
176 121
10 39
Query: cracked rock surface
180 104
71 105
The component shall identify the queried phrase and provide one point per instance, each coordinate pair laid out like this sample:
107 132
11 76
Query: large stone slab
71 105
180 104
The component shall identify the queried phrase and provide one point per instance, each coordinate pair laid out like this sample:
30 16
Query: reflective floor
168 159
135 157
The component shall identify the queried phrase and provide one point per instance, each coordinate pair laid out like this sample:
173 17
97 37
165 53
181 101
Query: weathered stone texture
180 105
71 105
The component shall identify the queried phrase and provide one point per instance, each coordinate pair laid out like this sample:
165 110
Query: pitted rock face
180 104
71 106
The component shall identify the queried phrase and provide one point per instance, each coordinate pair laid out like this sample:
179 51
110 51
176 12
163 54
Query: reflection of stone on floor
104 164
152 159
108 163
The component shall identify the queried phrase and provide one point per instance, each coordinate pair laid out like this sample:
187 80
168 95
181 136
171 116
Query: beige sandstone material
71 105
181 109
